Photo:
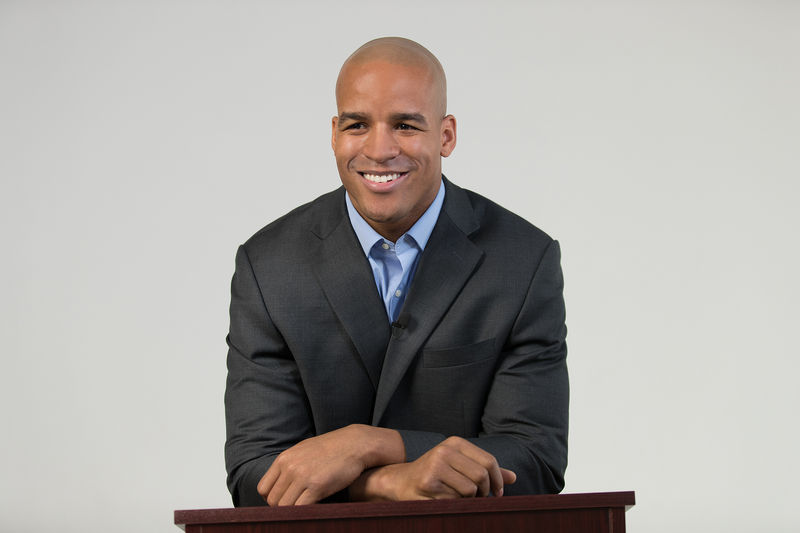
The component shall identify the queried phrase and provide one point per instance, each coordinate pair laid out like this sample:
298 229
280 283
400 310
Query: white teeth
374 178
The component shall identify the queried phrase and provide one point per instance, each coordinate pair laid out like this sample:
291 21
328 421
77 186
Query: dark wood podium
560 513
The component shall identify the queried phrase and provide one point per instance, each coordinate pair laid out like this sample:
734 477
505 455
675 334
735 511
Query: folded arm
273 453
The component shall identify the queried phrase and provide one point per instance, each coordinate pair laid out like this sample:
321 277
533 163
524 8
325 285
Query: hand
455 468
317 467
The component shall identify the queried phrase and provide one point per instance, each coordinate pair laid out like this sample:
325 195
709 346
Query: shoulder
317 217
492 226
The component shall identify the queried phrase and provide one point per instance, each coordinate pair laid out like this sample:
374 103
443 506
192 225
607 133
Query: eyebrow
358 117
410 117
397 117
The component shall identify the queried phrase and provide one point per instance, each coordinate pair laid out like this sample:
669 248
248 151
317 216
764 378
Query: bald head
402 52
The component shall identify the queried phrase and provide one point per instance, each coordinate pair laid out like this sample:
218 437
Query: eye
405 127
355 126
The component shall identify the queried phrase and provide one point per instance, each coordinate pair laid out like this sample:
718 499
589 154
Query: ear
448 135
334 122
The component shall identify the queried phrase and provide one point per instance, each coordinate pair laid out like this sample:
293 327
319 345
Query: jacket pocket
460 355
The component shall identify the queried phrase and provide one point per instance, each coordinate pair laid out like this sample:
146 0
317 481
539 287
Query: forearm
380 482
242 482
539 470
417 443
524 423
321 466
454 468
366 446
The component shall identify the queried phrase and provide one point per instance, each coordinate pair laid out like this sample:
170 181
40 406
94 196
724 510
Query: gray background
140 143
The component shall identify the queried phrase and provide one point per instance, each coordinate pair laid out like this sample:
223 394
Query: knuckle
452 440
314 483
429 484
490 463
294 469
439 453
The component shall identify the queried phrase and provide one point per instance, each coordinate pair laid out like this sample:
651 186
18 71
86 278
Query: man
447 381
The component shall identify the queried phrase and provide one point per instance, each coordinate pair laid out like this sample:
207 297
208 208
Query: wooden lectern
553 513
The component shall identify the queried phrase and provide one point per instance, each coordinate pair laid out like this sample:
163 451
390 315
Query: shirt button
385 246
398 293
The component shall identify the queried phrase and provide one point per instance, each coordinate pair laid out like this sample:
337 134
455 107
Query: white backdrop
141 142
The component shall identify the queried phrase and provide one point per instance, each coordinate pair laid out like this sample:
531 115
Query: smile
381 178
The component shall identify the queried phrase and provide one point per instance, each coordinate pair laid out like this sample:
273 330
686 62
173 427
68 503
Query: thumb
509 476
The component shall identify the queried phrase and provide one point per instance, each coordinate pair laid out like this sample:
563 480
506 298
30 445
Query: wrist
376 484
379 446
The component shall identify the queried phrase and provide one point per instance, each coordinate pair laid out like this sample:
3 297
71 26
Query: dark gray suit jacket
481 353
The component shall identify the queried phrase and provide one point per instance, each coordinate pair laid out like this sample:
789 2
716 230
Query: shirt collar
420 231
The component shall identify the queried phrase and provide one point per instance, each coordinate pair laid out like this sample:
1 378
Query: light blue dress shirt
394 264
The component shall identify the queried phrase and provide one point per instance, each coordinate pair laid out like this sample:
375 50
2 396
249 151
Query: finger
474 472
448 487
434 479
292 493
268 480
488 462
279 488
459 485
306 497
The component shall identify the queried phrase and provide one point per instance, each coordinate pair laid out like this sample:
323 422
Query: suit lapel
347 281
448 261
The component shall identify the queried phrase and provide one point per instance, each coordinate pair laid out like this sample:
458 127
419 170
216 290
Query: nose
381 145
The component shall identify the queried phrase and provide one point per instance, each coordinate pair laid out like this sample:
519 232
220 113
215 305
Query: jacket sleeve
525 419
266 409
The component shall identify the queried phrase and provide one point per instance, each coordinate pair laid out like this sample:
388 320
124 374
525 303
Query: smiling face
388 139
